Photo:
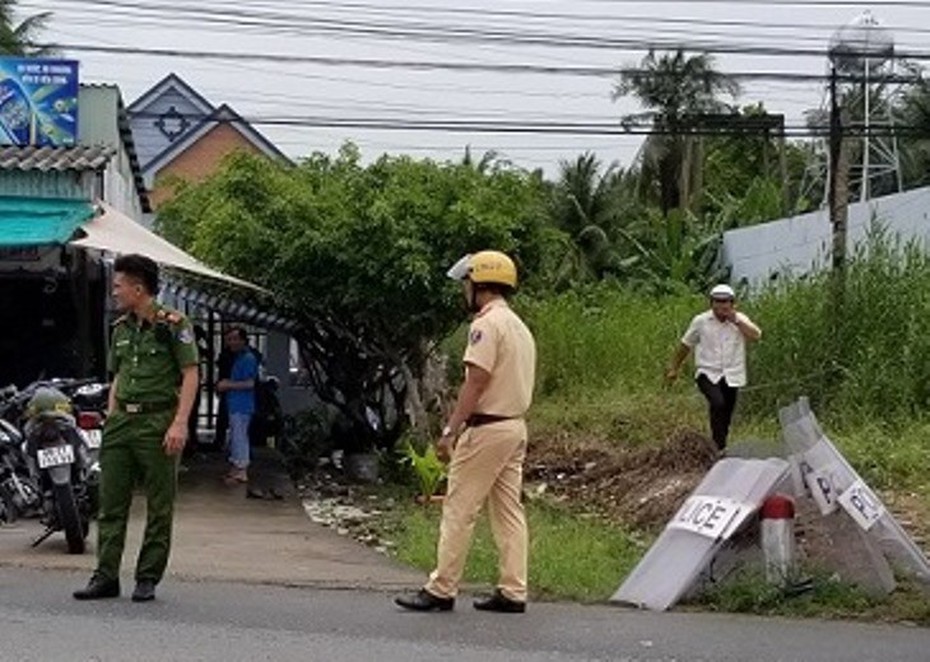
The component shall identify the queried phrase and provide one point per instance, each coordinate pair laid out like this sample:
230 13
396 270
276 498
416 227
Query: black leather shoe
425 601
499 602
145 591
98 588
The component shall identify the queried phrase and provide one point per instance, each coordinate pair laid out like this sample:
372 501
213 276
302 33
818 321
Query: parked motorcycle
19 493
61 445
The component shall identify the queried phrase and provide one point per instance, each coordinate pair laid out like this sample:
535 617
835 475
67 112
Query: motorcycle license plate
93 438
55 456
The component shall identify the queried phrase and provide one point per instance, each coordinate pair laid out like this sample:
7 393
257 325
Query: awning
114 232
37 221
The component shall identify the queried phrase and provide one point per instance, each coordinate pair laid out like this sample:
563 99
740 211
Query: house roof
39 221
222 115
168 82
78 158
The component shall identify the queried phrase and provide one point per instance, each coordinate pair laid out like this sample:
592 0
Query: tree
359 254
587 205
913 113
674 88
19 39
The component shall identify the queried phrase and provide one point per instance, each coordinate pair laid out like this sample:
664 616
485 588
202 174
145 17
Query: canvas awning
38 221
114 232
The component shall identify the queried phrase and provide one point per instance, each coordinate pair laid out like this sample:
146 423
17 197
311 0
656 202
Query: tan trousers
487 464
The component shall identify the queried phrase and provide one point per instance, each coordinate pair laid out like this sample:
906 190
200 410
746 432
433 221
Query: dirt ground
640 488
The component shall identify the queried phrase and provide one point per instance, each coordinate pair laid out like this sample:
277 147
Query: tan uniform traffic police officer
486 439
153 358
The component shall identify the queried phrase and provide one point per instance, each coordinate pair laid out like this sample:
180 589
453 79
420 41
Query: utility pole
839 181
838 195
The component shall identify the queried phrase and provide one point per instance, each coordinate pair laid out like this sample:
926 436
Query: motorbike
19 494
61 444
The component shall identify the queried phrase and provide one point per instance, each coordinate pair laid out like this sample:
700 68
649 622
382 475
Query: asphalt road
230 622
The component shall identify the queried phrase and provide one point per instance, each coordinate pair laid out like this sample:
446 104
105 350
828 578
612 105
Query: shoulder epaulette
170 316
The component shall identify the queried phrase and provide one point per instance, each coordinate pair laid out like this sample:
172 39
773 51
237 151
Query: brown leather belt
145 407
477 420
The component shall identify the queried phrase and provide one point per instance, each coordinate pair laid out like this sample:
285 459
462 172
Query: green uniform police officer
153 359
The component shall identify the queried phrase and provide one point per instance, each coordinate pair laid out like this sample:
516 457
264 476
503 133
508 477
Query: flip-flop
231 479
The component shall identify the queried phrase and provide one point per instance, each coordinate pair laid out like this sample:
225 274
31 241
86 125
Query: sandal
234 477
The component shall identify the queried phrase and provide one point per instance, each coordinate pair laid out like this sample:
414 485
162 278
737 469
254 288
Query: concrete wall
119 188
795 246
99 125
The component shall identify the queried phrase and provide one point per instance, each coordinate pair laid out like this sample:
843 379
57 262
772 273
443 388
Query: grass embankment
602 357
571 557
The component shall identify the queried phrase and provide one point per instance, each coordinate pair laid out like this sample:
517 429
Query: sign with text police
38 101
708 516
862 504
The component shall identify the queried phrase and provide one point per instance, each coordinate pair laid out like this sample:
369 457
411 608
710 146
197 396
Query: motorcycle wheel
69 517
7 508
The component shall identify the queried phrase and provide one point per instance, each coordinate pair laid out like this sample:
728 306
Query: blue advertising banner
38 101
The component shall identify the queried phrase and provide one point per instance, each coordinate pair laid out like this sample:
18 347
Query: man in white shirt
718 337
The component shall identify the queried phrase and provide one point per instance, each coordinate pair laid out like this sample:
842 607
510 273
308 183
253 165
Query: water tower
864 50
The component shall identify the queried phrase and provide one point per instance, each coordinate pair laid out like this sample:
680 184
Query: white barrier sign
822 486
862 504
707 516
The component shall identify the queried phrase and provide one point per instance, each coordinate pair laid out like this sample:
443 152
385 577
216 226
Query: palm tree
583 193
673 88
20 39
587 205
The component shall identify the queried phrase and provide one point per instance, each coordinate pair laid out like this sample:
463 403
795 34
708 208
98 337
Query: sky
783 36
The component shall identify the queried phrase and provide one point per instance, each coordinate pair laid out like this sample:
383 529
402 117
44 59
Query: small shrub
429 469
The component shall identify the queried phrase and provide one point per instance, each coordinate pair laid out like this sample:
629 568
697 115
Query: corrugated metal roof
81 157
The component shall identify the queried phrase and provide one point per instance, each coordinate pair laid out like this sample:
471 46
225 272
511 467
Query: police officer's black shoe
425 601
97 588
145 591
500 602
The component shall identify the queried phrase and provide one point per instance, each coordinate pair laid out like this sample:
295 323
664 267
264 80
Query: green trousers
132 453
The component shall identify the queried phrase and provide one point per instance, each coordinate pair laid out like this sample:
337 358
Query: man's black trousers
721 399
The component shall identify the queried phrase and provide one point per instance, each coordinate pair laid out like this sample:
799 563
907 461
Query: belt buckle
132 408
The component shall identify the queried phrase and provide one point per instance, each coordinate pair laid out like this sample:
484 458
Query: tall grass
872 362
604 338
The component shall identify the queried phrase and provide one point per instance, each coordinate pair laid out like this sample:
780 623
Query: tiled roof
81 157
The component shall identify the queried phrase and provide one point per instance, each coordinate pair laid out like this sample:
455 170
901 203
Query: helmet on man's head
485 267
722 292
49 402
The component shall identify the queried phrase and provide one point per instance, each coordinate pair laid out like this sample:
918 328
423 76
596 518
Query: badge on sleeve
475 336
186 336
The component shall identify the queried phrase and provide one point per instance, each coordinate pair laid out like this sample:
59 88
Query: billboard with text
38 101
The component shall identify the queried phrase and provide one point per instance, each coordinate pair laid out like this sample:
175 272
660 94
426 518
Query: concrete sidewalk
220 534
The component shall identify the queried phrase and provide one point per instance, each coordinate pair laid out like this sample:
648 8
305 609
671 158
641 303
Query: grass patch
889 457
623 417
829 598
571 557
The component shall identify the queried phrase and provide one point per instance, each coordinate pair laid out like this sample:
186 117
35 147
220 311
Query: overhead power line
444 33
207 18
423 65
695 127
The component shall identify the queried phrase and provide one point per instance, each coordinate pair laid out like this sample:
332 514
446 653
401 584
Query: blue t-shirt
244 368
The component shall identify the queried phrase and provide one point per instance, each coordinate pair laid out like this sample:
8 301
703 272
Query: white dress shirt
719 348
